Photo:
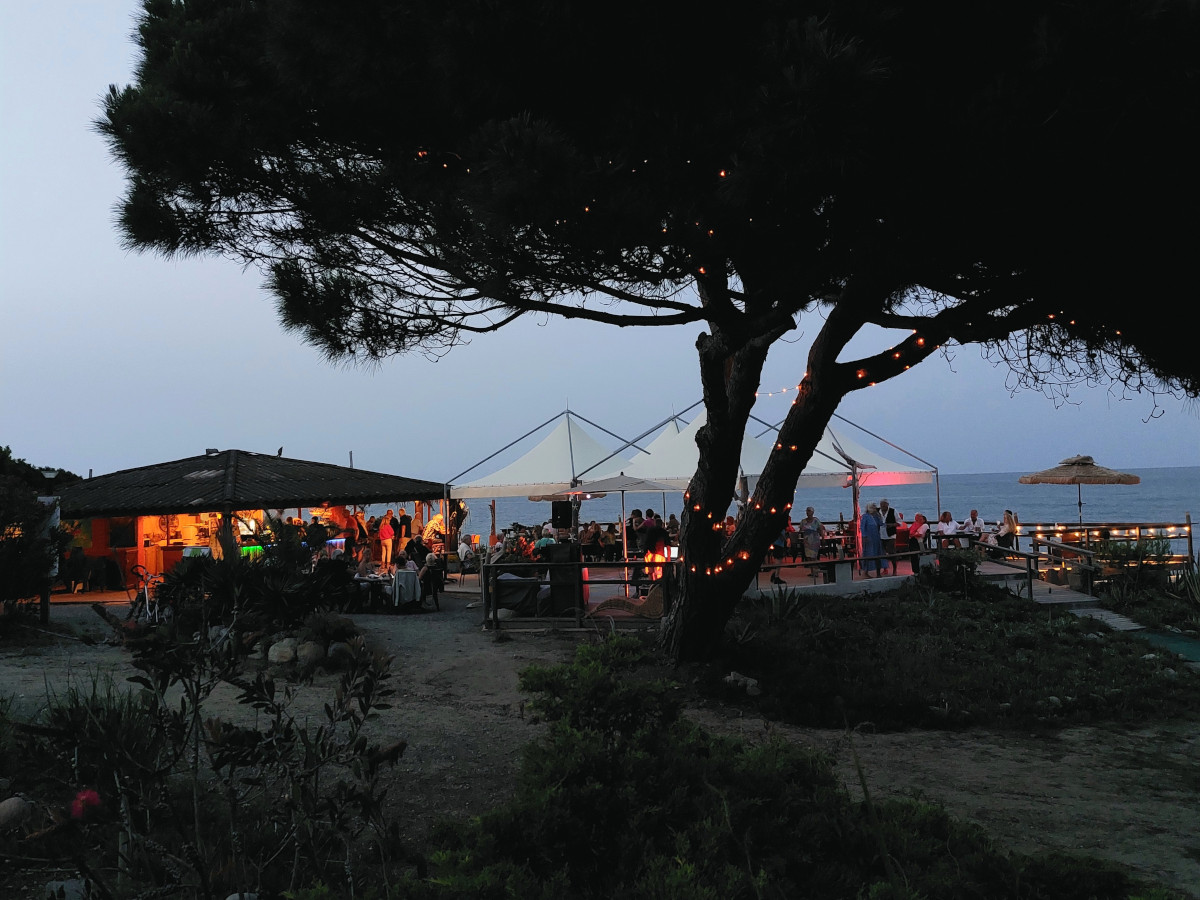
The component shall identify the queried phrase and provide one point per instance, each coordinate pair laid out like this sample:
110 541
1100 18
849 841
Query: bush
920 658
624 797
182 805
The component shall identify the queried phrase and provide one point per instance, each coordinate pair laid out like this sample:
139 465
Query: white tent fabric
673 457
831 463
555 462
878 470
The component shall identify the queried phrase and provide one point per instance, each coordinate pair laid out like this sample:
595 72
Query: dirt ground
1127 795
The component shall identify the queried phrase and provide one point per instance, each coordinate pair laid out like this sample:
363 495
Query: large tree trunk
717 570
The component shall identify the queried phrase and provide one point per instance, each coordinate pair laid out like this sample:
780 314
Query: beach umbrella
1079 470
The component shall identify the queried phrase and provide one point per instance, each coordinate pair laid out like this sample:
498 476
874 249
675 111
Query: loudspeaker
560 513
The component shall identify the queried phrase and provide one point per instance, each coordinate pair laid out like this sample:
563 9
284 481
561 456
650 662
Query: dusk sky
111 359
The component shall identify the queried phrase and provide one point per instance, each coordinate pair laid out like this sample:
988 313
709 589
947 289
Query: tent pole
625 544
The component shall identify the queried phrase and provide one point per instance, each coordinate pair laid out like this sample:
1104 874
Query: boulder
340 651
309 653
71 889
14 812
283 651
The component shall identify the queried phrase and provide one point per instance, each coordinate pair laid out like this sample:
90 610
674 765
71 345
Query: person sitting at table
917 533
435 531
430 576
608 541
468 561
1006 534
403 562
590 543
973 523
947 526
416 550
366 562
546 539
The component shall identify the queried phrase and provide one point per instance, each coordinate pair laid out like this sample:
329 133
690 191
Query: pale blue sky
110 359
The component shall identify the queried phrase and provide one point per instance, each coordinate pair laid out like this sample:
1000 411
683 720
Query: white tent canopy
568 452
672 458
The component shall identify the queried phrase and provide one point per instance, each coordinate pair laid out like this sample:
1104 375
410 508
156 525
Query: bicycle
146 607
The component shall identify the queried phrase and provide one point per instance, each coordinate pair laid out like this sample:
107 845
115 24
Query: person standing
888 515
811 533
402 528
917 533
386 537
673 528
870 529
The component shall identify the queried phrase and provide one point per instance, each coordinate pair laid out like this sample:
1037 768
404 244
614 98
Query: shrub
624 797
920 658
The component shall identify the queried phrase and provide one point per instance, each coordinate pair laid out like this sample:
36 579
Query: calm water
1165 495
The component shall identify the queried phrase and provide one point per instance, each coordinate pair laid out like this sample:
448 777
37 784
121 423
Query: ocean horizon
1165 495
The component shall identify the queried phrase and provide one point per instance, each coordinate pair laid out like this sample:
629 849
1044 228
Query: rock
14 812
1170 673
745 682
1054 702
71 889
1092 636
244 895
283 651
1150 656
309 653
340 651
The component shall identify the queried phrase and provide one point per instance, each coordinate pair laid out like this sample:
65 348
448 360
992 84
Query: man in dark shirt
402 526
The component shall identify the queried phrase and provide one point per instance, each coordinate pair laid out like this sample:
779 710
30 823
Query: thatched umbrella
1079 470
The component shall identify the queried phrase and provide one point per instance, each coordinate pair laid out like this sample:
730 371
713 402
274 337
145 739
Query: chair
648 607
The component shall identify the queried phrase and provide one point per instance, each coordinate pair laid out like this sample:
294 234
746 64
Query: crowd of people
883 533
379 545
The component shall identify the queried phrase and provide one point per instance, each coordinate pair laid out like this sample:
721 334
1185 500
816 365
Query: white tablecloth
406 588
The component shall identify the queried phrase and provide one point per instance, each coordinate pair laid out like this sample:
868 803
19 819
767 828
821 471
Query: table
375 585
406 587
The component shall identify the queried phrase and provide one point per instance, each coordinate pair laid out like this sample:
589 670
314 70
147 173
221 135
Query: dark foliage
624 798
919 658
408 175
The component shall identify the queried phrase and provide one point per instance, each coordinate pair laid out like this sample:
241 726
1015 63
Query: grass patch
919 658
1153 607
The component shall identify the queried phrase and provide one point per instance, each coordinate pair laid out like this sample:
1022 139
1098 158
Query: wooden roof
235 479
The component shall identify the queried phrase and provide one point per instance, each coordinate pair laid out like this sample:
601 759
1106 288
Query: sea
1165 495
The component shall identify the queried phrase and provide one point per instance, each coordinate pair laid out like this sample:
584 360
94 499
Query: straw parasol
1079 470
